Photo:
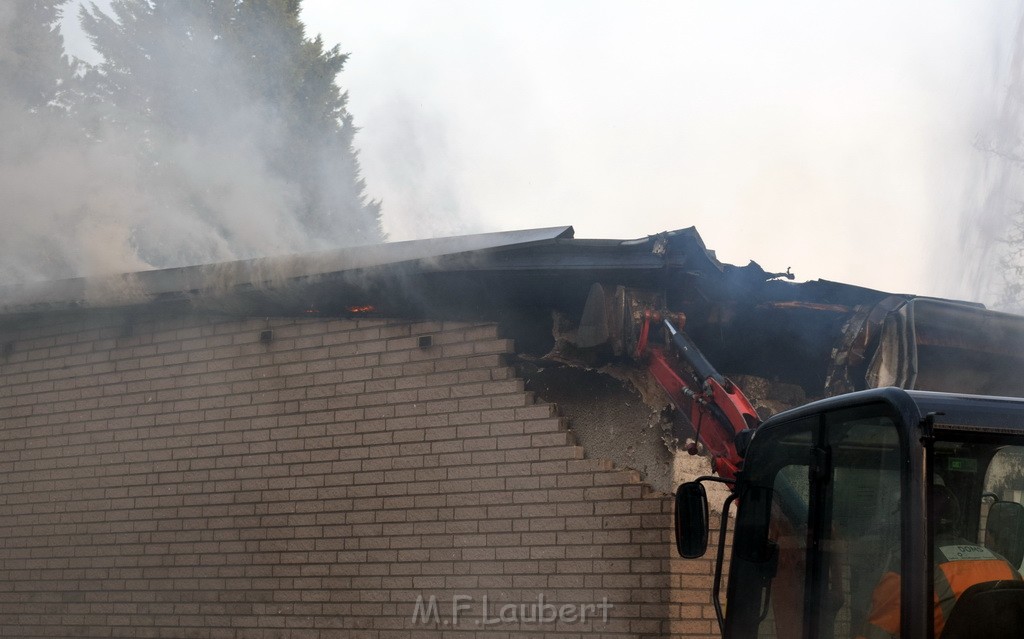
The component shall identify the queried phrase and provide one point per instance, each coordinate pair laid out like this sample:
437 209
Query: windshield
832 481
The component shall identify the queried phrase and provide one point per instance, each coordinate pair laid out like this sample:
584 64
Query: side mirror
691 520
1004 531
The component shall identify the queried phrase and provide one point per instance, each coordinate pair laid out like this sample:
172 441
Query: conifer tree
33 67
198 83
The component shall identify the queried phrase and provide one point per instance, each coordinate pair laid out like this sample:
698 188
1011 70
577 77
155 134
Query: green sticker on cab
963 464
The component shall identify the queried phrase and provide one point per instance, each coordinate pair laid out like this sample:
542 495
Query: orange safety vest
958 566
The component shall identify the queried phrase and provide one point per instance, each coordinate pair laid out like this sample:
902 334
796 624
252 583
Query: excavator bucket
613 316
939 345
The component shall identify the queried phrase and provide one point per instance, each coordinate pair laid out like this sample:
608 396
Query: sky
836 139
833 138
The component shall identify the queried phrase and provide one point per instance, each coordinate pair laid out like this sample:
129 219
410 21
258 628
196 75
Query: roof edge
141 287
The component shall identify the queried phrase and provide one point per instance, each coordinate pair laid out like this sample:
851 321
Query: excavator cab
837 531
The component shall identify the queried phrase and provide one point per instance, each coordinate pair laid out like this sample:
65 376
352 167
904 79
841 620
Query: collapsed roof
825 336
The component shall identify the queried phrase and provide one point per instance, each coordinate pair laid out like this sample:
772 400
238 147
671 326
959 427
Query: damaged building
447 437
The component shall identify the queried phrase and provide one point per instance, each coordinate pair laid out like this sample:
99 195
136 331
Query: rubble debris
618 411
608 416
771 397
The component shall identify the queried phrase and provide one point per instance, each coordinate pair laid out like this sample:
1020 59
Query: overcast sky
833 138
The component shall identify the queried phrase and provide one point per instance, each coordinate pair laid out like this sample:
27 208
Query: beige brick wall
182 479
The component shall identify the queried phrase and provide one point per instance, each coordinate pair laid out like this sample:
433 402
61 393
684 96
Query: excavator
830 499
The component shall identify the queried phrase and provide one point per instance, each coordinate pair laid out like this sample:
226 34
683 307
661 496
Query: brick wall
693 613
183 479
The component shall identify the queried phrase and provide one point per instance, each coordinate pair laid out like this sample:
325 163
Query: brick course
180 478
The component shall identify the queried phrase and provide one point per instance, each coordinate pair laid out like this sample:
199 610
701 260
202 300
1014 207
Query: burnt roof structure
825 336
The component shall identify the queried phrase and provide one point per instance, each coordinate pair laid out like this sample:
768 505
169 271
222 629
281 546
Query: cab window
834 484
1001 520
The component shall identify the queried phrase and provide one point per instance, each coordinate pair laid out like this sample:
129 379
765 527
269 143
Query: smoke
415 165
216 199
807 135
77 207
798 137
68 207
993 217
86 194
7 15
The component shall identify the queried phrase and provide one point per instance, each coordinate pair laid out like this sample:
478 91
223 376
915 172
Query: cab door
818 525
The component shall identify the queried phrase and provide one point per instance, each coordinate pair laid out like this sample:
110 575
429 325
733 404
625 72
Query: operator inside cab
959 564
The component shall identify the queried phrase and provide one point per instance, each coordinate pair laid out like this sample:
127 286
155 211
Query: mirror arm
717 587
721 480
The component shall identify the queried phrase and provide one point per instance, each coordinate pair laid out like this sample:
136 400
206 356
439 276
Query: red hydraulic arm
718 408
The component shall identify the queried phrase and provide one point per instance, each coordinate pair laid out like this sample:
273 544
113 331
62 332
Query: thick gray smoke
124 198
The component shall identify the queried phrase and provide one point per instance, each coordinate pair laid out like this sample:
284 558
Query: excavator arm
719 411
634 323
